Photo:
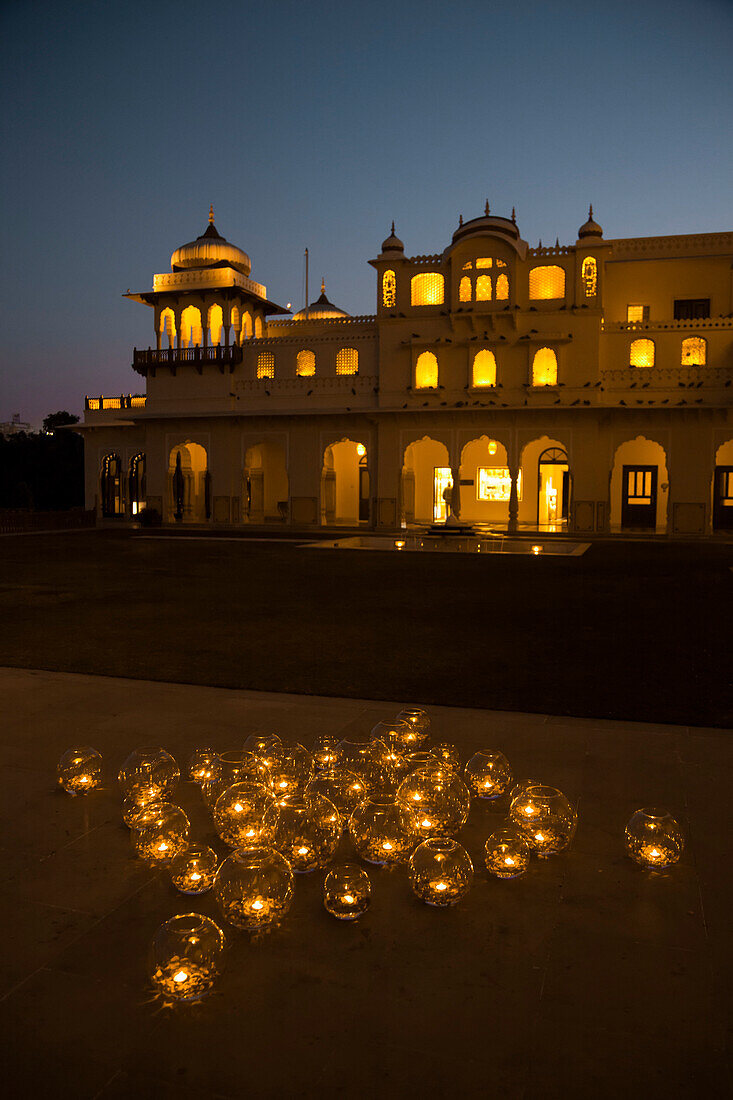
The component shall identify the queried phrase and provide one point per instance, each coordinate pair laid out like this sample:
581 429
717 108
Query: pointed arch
483 288
305 364
483 372
191 327
544 368
215 324
389 289
426 371
502 288
641 353
465 290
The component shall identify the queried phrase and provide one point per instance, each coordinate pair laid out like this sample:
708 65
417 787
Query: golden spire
486 209
211 214
323 286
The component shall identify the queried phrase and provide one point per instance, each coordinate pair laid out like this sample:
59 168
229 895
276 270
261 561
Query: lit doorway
553 485
442 480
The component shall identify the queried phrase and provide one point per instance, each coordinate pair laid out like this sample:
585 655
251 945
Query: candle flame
425 823
83 778
238 807
441 886
303 851
195 876
348 898
540 837
162 847
509 861
257 904
181 976
387 846
528 809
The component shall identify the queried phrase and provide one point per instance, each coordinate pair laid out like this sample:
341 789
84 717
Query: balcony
124 401
198 357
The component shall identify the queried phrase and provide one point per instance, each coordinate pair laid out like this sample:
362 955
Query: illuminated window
191 327
589 276
426 289
495 483
502 288
265 365
637 313
468 266
483 288
485 261
464 289
546 282
694 351
305 364
484 368
246 325
500 263
544 368
168 325
389 290
216 324
347 361
258 327
426 371
641 353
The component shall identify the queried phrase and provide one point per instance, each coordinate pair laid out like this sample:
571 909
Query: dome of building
590 228
320 310
488 223
210 250
392 243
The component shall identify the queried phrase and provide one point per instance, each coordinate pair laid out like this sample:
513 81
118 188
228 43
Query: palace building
582 387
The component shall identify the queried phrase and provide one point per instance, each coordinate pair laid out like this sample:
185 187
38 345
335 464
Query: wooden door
639 497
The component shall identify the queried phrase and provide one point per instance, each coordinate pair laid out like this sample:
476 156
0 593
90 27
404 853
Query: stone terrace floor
585 977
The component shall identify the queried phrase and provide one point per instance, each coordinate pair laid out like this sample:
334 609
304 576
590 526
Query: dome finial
590 212
514 216
486 208
393 227
460 219
323 286
211 214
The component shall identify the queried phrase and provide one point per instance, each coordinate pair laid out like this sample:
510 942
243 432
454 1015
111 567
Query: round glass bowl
290 770
265 746
382 830
80 770
194 870
148 775
447 755
545 819
437 799
506 853
186 957
239 815
254 888
201 765
363 759
347 891
305 829
325 752
654 839
161 835
441 871
234 767
488 775
344 789
419 724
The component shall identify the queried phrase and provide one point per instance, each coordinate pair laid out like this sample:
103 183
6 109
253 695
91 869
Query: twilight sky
316 124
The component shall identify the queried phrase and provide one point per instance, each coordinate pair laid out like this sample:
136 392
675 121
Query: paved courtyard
585 977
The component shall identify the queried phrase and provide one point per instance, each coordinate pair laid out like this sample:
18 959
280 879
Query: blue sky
315 125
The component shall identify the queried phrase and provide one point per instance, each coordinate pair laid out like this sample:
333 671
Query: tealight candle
148 775
254 888
325 752
507 853
201 765
654 839
418 724
80 770
447 755
290 770
347 892
441 871
382 830
161 836
193 871
306 830
488 775
545 819
437 799
239 815
186 957
341 787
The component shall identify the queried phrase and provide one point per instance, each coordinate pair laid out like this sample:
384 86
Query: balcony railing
198 356
124 401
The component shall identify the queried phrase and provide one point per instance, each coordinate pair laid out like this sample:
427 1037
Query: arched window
426 371
484 368
589 276
136 484
305 364
347 361
215 324
258 327
191 327
694 351
246 325
464 289
546 282
111 485
426 289
641 353
389 290
502 288
483 288
265 365
544 368
168 325
235 321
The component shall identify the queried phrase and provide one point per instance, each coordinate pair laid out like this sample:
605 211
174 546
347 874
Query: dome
488 223
590 228
393 243
320 310
210 250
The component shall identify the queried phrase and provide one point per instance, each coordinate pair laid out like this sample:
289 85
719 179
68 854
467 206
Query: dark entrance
639 499
723 499
136 484
111 486
363 491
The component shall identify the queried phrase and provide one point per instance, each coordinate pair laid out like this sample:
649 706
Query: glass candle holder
437 799
186 957
441 871
194 870
235 766
519 788
488 775
325 752
382 830
347 892
305 829
159 837
363 759
447 755
239 815
344 789
201 765
290 770
654 839
545 819
148 775
265 746
507 853
80 770
419 723
254 888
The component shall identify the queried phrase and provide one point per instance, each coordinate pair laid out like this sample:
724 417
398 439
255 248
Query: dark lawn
631 630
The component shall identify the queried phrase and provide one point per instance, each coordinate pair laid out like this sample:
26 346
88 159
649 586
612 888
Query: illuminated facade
584 387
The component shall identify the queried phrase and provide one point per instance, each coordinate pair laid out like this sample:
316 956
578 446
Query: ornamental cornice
706 323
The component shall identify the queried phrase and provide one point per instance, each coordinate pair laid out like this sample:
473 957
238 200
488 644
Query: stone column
455 500
513 499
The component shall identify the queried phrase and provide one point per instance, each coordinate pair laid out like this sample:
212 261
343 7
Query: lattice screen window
483 288
305 364
589 276
427 289
485 261
467 266
265 365
502 288
426 371
544 368
546 283
641 353
484 368
347 361
464 289
637 313
694 351
389 289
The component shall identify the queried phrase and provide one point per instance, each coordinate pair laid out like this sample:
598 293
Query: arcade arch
189 483
191 327
485 482
639 485
136 483
426 473
266 485
722 488
546 484
110 486
345 484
